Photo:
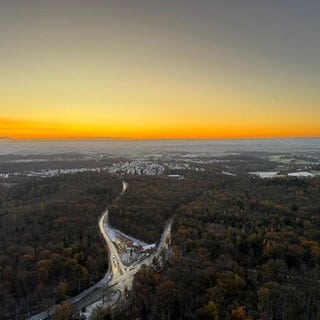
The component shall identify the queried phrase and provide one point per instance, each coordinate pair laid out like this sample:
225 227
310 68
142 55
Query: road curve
122 277
114 259
95 292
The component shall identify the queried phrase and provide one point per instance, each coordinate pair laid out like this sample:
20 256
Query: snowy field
265 174
131 249
300 174
274 174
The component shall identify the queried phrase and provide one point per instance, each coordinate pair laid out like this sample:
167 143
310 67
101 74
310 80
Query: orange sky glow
33 130
144 70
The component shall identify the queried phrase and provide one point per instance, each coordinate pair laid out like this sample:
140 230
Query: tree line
242 249
50 243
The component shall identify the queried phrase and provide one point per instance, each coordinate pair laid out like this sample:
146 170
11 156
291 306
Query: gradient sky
159 69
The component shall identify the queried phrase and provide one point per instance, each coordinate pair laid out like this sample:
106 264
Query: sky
159 69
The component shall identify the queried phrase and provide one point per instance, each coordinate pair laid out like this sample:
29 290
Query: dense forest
149 202
242 248
50 244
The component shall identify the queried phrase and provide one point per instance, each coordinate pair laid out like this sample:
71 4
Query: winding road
118 279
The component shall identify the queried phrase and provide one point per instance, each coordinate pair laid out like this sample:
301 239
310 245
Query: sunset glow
94 69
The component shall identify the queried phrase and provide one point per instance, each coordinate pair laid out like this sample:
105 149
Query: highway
115 261
117 279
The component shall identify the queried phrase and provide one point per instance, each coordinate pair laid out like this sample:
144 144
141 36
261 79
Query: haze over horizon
159 69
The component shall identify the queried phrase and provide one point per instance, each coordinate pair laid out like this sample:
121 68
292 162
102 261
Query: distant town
303 165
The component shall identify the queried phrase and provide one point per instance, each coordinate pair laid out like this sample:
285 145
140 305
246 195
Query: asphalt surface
118 279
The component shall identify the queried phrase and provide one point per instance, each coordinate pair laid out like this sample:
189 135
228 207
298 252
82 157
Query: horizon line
156 139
